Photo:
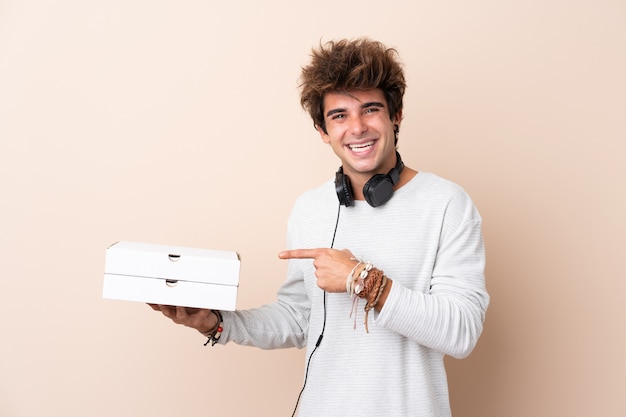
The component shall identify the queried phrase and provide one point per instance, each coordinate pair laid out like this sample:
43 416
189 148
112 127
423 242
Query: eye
337 116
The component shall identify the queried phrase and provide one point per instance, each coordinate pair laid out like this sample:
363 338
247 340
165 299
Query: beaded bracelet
215 334
360 286
357 275
350 278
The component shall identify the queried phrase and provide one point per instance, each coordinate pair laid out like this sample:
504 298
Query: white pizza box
172 275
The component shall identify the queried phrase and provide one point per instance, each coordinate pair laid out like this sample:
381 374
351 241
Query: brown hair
345 65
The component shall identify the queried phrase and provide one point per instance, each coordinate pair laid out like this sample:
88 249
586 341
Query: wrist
211 323
369 283
215 333
383 296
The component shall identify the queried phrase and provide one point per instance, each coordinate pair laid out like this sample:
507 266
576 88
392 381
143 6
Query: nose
358 126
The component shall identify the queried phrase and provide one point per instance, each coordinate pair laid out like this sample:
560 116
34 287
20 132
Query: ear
397 119
324 136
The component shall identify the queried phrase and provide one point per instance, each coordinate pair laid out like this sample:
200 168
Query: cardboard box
172 275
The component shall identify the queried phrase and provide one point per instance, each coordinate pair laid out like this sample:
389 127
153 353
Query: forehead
353 98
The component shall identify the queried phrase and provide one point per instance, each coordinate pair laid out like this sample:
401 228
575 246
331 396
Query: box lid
172 263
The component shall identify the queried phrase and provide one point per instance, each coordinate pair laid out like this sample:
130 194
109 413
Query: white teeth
361 147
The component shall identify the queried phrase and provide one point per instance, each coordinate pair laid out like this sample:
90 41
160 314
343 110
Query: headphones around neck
377 191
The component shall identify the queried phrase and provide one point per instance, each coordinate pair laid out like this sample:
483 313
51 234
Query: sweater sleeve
449 317
282 324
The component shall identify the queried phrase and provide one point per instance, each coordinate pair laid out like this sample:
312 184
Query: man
386 270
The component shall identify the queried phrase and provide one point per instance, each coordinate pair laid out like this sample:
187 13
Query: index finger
300 254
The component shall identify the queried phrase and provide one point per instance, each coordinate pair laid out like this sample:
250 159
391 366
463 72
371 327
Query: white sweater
427 239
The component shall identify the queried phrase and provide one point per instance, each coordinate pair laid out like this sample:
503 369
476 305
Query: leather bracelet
215 334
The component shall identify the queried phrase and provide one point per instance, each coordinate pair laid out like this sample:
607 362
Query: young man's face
361 132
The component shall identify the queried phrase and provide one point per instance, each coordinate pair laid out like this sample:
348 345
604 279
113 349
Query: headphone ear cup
378 190
343 189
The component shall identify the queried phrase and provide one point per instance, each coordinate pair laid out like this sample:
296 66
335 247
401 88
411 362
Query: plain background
178 122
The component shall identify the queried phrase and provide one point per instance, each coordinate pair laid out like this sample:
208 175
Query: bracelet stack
215 333
366 282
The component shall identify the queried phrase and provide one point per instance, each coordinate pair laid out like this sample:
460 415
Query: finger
300 254
155 307
181 313
168 311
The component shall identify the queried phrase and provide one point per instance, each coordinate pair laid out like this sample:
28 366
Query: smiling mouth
361 147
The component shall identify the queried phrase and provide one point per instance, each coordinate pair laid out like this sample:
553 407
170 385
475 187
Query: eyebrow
363 106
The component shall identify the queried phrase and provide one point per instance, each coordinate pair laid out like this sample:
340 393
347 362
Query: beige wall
178 122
